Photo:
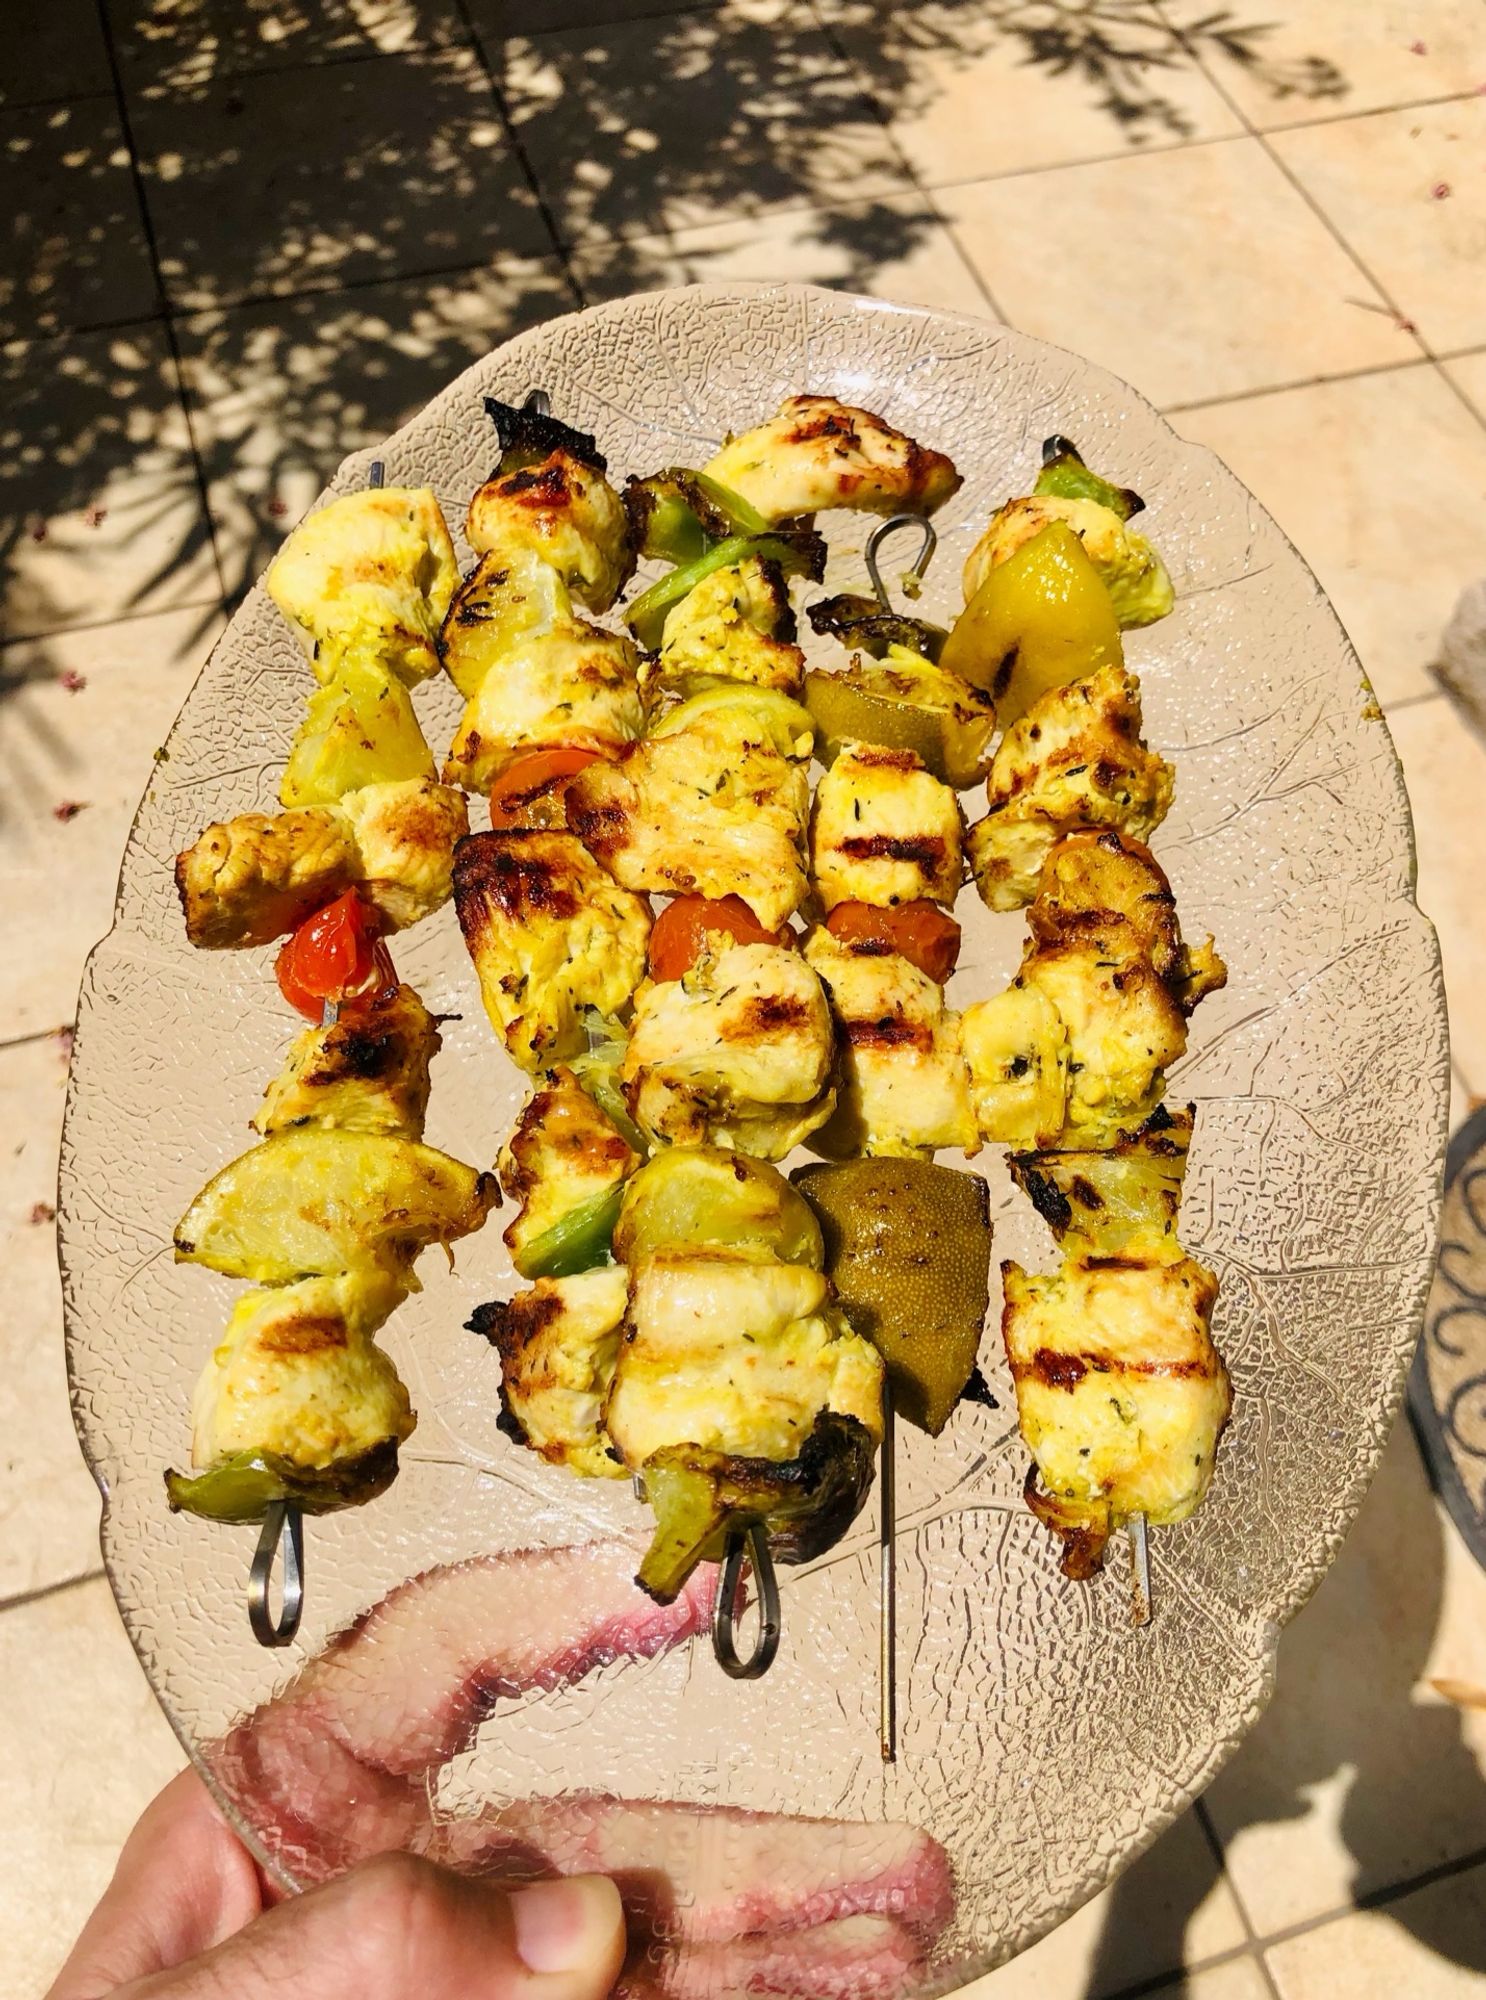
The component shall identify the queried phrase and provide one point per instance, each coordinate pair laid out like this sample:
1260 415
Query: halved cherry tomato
920 932
336 954
680 931
530 792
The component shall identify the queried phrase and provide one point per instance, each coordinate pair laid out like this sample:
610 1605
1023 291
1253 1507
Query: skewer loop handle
754 1543
282 1532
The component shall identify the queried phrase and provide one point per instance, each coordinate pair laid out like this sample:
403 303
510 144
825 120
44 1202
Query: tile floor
251 235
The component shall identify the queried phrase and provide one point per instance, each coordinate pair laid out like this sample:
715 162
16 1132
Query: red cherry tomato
919 932
682 927
337 954
519 794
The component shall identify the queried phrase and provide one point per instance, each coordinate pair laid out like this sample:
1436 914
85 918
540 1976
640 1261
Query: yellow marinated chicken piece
1092 873
819 453
558 1344
735 1355
249 880
1074 760
1124 1030
371 572
297 1375
564 512
735 625
564 1152
714 805
1016 1046
1120 1204
573 688
366 1071
905 1084
359 728
736 1053
1121 1395
507 597
550 935
1128 566
884 831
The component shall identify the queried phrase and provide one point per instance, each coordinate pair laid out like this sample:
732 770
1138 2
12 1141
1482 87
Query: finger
397 1927
182 1884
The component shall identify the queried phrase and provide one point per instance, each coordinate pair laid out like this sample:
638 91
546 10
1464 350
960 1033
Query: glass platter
1044 1741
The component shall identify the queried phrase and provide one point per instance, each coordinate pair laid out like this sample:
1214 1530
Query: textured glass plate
1044 1742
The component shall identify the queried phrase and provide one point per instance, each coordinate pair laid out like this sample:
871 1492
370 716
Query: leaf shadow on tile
1345 1717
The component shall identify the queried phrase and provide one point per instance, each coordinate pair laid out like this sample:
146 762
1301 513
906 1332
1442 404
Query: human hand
188 1916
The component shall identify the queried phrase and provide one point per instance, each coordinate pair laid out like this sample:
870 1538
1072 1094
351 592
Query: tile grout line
1220 1856
11 642
36 1035
1299 382
1176 1981
45 1590
1377 1899
136 174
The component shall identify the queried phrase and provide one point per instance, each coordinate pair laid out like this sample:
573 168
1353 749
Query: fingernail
567 1925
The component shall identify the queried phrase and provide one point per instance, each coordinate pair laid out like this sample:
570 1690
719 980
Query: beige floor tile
1444 765
970 90
1360 1776
1316 59
1376 179
1468 373
1427 1946
330 175
178 44
97 484
1389 556
84 1748
51 52
892 248
90 748
1193 274
281 393
1236 1979
77 252
1173 1904
1463 1099
698 118
47 1496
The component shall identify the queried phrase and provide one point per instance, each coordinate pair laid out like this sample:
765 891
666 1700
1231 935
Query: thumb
398 1926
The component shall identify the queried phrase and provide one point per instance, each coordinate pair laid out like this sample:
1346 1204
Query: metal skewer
895 522
887 1558
1140 1571
754 1544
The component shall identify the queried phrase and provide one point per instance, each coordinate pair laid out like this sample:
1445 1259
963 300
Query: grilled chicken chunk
374 572
249 880
1093 875
573 688
735 1355
1120 1392
367 1071
564 1152
819 453
713 806
884 831
1120 1204
550 935
1075 760
558 1344
508 597
566 513
736 625
1016 1045
905 1083
737 1053
298 1376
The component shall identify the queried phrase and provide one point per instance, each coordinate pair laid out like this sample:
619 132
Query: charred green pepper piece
243 1487
908 1249
577 1241
597 1069
798 552
1065 475
528 436
907 703
805 1503
709 1198
1121 1203
861 622
677 514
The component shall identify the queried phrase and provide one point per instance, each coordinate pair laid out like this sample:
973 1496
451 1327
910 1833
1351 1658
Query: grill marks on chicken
364 1072
884 831
565 513
819 453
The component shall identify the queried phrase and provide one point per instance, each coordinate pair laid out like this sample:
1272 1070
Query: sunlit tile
1193 273
1316 58
1406 189
270 184
1430 1945
694 118
77 254
98 483
84 1748
82 714
179 44
1382 488
281 393
970 90
1468 373
893 248
1359 1775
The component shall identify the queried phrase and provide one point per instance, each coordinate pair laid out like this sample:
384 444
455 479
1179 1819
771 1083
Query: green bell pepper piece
798 552
243 1487
1065 476
577 1241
